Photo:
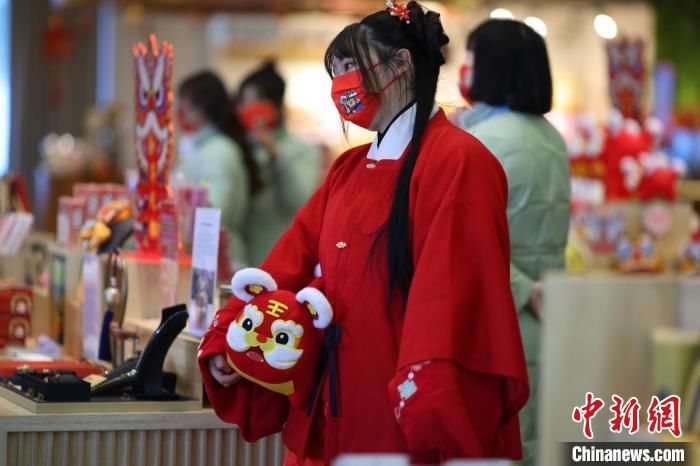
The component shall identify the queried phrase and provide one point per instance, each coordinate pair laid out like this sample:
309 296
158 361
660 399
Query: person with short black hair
289 165
507 78
408 238
509 67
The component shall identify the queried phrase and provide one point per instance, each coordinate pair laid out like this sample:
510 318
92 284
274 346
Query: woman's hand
536 300
221 371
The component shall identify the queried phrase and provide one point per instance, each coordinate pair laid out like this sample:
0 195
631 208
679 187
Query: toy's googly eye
247 324
282 338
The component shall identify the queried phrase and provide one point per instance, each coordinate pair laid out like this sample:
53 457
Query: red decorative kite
154 137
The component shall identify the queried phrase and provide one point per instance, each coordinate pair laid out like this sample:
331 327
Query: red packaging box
113 192
91 192
98 194
71 217
15 314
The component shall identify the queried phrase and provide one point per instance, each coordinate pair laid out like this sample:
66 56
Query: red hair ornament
399 10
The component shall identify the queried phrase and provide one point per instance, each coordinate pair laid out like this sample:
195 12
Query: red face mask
257 115
352 101
465 78
184 122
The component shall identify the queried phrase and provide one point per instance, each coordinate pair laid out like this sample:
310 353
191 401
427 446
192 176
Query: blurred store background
72 69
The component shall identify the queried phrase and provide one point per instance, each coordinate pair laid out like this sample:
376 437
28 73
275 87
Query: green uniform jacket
217 163
290 180
253 223
536 163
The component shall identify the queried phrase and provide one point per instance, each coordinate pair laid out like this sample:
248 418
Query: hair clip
399 10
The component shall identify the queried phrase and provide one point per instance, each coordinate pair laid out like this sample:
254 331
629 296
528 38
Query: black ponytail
208 94
424 38
426 64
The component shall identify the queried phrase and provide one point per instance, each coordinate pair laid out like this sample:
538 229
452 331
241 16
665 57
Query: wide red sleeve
460 308
440 406
256 411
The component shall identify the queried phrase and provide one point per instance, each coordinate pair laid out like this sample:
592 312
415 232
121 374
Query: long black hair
207 93
511 66
383 35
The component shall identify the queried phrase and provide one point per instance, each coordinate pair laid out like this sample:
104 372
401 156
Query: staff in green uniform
220 157
289 166
507 78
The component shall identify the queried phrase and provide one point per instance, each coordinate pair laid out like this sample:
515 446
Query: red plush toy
624 143
274 340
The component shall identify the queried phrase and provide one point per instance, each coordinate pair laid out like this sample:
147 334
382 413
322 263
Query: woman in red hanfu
424 354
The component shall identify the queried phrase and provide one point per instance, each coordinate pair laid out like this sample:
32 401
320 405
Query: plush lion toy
275 339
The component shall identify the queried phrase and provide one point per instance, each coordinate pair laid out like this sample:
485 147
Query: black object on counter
105 349
121 231
52 386
143 378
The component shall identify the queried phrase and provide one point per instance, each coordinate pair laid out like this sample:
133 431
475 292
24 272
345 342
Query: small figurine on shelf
639 256
601 227
113 225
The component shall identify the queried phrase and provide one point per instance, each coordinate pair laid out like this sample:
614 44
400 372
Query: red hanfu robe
445 375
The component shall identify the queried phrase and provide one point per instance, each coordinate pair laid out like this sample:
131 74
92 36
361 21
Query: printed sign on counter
92 305
168 253
205 250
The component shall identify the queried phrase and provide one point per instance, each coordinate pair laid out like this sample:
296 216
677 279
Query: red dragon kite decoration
154 137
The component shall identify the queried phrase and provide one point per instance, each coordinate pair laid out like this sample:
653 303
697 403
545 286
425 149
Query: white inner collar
397 136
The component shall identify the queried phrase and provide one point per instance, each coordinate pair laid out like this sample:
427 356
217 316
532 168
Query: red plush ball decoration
661 183
625 143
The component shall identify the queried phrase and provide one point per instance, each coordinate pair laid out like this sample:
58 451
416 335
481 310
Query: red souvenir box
15 314
113 192
92 195
98 194
71 217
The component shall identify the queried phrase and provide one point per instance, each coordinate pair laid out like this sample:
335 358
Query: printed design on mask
351 102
